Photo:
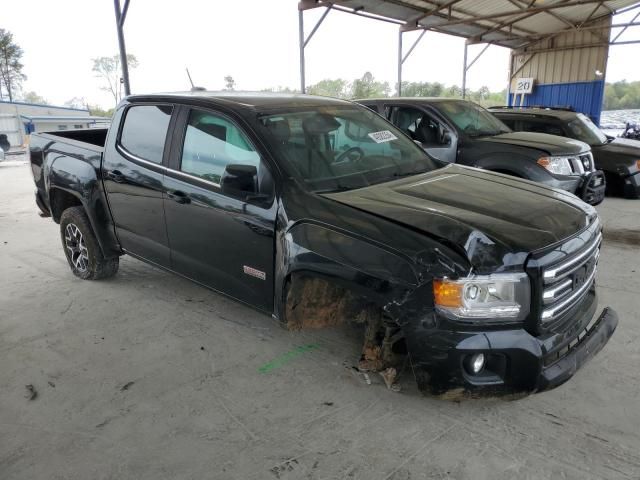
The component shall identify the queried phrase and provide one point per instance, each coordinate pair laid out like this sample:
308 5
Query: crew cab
618 158
460 131
318 211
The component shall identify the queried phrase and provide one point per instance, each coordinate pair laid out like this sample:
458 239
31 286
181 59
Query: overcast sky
255 41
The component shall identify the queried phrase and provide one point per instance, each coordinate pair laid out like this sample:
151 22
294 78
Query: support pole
400 63
464 73
120 18
301 40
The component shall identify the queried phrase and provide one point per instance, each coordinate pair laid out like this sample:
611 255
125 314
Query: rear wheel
81 247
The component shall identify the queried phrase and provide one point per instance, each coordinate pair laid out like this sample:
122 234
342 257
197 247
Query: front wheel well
60 201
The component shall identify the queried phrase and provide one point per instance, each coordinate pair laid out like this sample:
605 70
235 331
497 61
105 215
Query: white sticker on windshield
382 137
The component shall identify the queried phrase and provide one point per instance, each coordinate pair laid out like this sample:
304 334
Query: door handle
116 176
179 196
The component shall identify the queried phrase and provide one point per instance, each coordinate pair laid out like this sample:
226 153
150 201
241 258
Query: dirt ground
147 376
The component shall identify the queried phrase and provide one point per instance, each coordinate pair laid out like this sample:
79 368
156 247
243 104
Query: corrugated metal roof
509 23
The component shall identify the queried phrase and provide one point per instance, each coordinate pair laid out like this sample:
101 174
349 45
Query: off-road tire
81 247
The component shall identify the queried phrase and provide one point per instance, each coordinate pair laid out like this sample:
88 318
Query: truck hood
551 144
622 147
495 219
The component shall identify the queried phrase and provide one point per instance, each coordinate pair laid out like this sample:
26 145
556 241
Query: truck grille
567 282
582 163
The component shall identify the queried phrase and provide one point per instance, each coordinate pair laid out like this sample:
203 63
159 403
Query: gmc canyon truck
318 211
459 131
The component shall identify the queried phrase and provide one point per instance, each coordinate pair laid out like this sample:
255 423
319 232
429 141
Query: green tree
110 71
328 87
229 83
621 95
280 89
423 89
33 97
368 87
11 76
100 112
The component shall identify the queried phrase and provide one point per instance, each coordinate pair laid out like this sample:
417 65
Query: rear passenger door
220 239
133 173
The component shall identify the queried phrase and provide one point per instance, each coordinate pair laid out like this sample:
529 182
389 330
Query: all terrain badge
254 273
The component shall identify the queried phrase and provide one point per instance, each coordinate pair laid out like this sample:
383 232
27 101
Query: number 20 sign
524 85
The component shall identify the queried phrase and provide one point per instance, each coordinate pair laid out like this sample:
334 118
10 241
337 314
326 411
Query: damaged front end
456 289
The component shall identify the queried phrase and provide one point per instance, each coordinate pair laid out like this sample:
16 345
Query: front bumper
594 339
593 188
589 187
515 359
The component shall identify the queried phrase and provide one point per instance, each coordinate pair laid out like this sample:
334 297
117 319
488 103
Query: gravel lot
147 376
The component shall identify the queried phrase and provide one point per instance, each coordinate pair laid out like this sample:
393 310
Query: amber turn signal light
447 294
544 162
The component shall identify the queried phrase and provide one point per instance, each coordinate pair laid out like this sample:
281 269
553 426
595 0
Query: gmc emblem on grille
581 276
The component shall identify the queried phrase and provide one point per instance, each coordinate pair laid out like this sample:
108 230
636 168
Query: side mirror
240 181
446 138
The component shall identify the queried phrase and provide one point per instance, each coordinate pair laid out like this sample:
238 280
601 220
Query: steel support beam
400 60
121 15
466 66
301 43
304 41
511 13
625 28
464 72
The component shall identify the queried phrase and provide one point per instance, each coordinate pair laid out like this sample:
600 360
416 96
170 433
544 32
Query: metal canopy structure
514 24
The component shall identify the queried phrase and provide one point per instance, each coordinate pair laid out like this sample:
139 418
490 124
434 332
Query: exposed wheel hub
74 243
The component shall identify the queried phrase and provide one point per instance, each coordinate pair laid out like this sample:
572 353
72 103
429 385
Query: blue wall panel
585 97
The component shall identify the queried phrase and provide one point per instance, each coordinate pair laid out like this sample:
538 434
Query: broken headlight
488 298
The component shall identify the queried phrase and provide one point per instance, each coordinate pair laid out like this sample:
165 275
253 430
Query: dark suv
459 131
619 158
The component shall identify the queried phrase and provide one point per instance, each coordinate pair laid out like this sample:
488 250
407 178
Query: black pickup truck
459 131
318 211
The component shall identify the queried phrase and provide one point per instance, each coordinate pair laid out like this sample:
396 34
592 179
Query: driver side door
435 136
222 240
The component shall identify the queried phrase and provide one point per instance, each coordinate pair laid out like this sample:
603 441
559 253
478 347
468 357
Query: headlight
557 165
486 299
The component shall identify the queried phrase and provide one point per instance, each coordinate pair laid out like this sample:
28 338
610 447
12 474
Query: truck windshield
342 148
585 130
472 119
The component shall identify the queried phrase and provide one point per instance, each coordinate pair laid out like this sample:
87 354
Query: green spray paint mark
287 357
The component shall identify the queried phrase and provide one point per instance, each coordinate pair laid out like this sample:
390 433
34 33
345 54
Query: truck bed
94 136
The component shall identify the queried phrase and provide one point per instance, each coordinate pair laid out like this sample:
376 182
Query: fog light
476 363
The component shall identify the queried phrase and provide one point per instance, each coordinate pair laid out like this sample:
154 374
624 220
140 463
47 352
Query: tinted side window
211 143
509 122
145 130
542 127
406 119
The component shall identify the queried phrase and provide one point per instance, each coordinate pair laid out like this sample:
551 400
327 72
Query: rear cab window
144 131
